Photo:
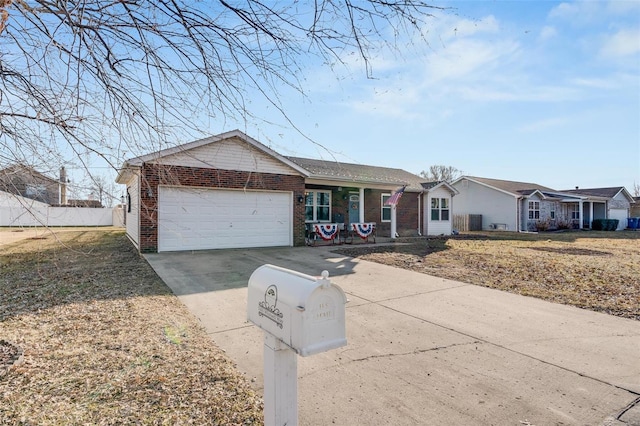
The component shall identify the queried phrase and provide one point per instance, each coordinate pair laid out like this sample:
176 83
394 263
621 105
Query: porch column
590 214
580 213
361 205
393 222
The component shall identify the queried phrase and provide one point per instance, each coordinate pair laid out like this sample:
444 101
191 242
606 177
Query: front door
354 208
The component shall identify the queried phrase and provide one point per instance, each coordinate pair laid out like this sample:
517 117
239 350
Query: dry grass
592 270
105 341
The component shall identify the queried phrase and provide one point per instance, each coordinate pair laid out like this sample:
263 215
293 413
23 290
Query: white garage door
200 219
621 215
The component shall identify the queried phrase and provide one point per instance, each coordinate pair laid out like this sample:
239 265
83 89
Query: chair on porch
315 232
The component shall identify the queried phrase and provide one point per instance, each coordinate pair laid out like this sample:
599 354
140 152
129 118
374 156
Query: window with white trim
317 206
575 213
439 209
534 209
552 211
385 211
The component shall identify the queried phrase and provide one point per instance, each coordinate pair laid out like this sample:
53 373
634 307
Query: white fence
20 211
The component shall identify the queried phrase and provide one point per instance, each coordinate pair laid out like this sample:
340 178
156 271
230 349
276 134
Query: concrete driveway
424 350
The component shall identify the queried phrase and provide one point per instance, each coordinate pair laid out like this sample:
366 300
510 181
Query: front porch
564 214
581 214
348 205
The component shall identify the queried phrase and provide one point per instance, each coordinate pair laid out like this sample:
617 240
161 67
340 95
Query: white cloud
543 125
578 12
625 42
547 32
586 11
594 83
444 28
565 10
466 57
467 28
392 102
507 91
476 63
618 7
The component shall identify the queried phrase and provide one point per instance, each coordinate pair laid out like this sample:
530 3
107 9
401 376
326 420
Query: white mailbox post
299 314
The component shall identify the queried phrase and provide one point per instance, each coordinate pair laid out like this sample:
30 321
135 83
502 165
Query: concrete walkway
424 350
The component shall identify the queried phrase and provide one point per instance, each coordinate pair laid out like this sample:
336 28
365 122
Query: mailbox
306 313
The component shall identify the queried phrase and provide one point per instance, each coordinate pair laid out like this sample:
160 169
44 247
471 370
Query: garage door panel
198 219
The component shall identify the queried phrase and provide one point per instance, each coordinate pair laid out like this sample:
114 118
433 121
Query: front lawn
106 342
588 269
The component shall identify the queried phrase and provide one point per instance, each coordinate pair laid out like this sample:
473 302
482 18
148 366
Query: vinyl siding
493 205
229 154
619 202
133 217
438 227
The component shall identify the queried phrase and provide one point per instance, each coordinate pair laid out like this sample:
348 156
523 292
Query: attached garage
225 191
202 218
621 215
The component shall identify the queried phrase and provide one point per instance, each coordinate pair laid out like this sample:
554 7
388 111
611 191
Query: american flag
395 197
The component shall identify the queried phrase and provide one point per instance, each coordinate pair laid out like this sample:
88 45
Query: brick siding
154 175
406 213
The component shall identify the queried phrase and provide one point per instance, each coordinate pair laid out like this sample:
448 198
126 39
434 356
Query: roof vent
576 187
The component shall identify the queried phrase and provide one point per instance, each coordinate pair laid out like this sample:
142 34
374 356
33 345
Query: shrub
542 225
605 224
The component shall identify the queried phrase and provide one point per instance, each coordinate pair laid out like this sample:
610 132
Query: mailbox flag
395 197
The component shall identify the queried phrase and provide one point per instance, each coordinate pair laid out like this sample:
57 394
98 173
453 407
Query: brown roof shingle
359 173
516 188
596 192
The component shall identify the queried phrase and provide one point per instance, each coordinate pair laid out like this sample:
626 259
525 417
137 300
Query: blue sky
535 91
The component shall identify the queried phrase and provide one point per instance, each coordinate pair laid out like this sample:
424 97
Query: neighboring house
604 203
524 206
231 191
29 183
635 208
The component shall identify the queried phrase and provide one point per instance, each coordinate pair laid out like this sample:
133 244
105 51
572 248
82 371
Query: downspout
518 202
419 216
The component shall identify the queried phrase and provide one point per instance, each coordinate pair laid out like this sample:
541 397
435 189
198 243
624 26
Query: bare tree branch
441 173
112 79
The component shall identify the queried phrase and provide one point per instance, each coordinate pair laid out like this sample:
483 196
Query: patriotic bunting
326 231
363 229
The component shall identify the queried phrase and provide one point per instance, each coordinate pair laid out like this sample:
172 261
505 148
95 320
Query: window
575 213
552 211
385 212
35 190
440 209
317 206
534 209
